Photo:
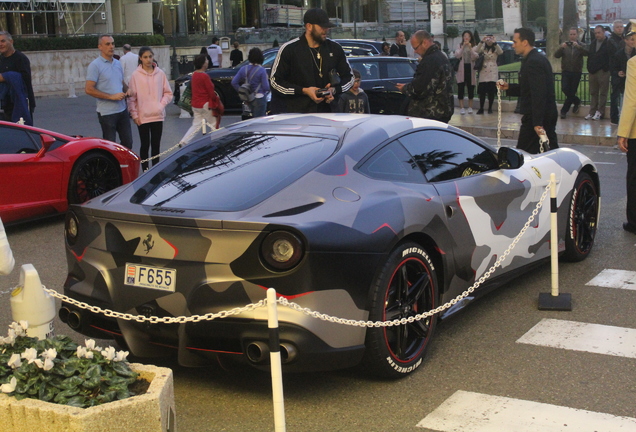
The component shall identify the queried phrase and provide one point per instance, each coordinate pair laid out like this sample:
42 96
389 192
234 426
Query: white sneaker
462 111
588 117
597 116
470 110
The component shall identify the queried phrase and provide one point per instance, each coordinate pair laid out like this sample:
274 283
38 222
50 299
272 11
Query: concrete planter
150 412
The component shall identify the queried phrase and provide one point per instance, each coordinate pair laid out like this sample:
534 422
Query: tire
396 351
582 219
92 175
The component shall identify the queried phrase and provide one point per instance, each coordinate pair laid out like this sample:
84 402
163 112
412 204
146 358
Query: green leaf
77 401
92 382
94 371
65 395
71 383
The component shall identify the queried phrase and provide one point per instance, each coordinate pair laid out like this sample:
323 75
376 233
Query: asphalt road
475 351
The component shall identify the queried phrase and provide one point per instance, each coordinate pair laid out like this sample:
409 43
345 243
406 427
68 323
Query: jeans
114 124
259 107
199 114
570 85
150 136
599 85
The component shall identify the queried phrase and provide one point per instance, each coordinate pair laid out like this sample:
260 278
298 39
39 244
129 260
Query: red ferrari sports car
42 172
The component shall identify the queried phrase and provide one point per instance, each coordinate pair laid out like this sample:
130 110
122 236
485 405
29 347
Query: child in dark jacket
355 100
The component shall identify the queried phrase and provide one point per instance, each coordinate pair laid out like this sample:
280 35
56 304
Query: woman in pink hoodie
148 95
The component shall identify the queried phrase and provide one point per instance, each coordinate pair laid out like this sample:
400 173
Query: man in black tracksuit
306 65
536 93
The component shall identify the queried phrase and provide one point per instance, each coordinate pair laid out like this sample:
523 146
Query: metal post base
561 302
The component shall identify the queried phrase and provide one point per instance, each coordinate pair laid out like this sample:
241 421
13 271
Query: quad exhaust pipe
70 317
257 352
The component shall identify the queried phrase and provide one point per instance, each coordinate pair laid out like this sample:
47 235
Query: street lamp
172 4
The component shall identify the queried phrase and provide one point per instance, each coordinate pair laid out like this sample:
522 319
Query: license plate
144 276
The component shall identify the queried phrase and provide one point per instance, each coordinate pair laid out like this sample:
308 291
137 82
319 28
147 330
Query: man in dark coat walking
536 93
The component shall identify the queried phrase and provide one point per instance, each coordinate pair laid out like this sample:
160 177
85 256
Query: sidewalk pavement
572 130
76 116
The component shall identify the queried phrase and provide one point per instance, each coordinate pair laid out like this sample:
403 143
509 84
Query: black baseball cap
319 17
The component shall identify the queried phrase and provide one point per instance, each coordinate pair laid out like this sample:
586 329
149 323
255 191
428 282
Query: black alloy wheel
92 175
582 219
406 287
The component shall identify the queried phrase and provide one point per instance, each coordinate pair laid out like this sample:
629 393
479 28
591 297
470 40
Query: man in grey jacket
571 54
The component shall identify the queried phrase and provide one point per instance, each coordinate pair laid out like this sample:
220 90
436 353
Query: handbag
455 64
479 63
185 101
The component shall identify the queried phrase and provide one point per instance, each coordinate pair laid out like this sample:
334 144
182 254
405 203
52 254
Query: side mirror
47 141
509 158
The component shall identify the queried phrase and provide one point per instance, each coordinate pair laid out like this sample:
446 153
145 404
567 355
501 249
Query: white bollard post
554 300
29 302
71 89
203 125
275 360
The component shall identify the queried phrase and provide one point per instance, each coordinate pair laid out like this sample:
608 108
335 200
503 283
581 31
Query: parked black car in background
222 77
379 74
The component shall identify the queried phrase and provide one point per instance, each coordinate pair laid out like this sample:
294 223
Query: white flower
49 354
90 344
121 356
10 339
38 363
83 352
30 354
19 328
15 361
10 387
48 364
109 353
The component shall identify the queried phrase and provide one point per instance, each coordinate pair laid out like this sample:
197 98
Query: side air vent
167 210
295 210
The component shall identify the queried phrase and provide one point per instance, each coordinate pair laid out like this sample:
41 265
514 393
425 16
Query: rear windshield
234 172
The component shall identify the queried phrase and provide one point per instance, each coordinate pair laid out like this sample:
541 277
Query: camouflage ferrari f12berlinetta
354 216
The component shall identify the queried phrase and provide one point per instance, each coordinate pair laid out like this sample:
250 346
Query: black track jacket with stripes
296 67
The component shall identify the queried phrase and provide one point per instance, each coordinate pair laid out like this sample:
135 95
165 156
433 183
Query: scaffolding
61 17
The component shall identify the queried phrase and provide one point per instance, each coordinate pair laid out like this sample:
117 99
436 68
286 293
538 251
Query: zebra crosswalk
476 412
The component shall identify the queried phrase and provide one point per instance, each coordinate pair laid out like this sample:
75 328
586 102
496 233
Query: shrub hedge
82 42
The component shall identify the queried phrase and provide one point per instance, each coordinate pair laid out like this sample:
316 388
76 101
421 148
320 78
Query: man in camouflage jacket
430 93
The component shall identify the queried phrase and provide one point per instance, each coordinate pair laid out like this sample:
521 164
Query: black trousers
150 136
631 182
486 88
570 85
528 138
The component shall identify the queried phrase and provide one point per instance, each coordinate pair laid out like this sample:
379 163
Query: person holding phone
302 74
489 73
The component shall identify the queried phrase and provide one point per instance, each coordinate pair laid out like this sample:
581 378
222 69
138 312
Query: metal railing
583 92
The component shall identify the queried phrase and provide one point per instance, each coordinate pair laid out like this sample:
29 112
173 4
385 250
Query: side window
15 141
392 162
37 139
368 69
444 155
400 69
